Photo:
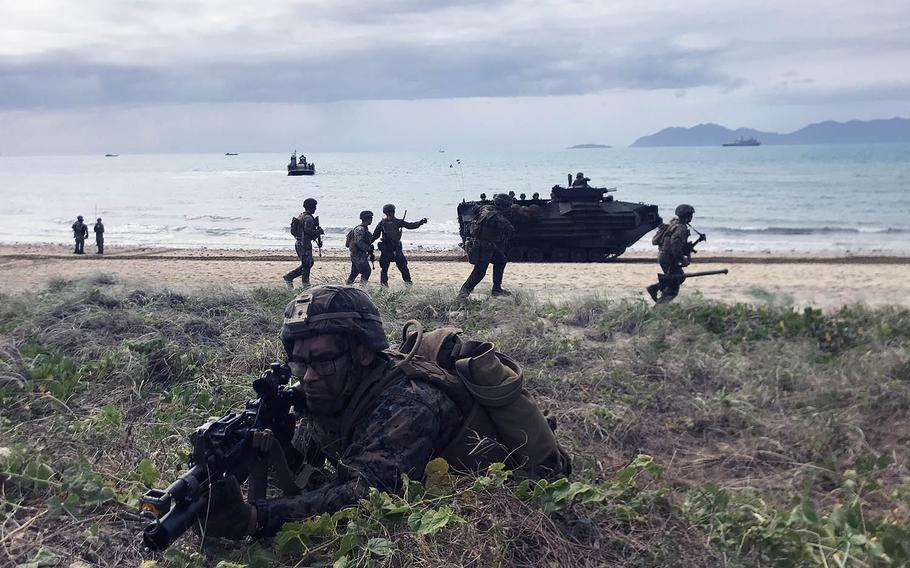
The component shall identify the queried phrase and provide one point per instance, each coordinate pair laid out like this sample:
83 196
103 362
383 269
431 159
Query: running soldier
361 249
305 228
675 253
99 236
390 250
490 236
80 233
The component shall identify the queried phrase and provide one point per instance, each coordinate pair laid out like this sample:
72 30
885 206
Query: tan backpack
502 422
660 234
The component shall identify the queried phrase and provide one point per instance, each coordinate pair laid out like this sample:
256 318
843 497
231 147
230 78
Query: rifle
220 449
680 278
319 238
701 239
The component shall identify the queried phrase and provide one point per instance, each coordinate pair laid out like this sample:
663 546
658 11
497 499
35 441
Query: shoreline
826 282
46 251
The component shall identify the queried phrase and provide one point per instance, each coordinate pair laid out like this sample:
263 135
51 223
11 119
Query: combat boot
500 292
653 289
289 282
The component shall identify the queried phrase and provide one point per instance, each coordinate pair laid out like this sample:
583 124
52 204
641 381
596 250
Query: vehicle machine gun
221 448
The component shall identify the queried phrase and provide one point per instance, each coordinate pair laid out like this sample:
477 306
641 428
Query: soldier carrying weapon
675 253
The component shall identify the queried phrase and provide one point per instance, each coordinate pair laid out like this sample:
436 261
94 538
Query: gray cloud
391 72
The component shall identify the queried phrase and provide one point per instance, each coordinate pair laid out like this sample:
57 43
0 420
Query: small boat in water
300 167
111 155
743 142
230 153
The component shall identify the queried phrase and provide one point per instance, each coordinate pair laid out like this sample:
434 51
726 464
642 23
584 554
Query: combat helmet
502 201
388 208
579 175
309 203
684 210
333 309
79 217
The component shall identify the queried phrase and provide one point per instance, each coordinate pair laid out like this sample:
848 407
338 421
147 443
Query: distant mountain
884 131
588 146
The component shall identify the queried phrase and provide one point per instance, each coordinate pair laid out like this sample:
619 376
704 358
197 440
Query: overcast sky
206 75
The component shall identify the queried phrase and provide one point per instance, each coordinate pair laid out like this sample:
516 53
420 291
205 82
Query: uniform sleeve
408 225
399 436
679 242
309 226
377 232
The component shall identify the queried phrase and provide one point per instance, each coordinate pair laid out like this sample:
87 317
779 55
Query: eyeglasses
324 365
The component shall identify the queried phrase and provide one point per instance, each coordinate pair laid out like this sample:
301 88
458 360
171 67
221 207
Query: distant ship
300 167
230 153
111 155
744 142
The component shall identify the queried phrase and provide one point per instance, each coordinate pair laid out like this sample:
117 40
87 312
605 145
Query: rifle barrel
706 273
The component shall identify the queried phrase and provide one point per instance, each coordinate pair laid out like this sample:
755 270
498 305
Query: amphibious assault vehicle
576 224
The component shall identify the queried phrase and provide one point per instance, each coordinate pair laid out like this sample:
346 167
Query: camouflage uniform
580 180
392 417
390 247
80 233
309 231
408 425
489 247
360 254
673 255
99 236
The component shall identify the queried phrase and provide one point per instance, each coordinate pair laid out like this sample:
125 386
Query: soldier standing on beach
99 236
390 246
80 233
305 228
675 253
490 235
361 249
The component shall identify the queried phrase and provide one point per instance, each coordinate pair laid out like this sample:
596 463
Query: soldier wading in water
305 229
490 236
375 415
675 252
390 246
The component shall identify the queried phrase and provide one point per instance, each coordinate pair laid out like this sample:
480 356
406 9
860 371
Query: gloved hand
229 516
423 221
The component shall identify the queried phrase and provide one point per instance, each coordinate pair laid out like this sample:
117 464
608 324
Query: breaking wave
809 230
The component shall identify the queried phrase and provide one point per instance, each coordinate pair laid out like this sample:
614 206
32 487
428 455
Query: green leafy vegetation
702 433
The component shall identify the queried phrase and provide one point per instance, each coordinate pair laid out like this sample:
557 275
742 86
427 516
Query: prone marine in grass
371 412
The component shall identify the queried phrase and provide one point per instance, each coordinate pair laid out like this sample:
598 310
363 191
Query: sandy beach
823 281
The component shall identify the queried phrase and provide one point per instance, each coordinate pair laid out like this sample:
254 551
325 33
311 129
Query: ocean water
841 198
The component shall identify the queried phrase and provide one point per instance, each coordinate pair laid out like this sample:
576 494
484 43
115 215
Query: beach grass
702 433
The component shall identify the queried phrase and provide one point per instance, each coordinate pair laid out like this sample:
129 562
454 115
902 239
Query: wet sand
825 281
